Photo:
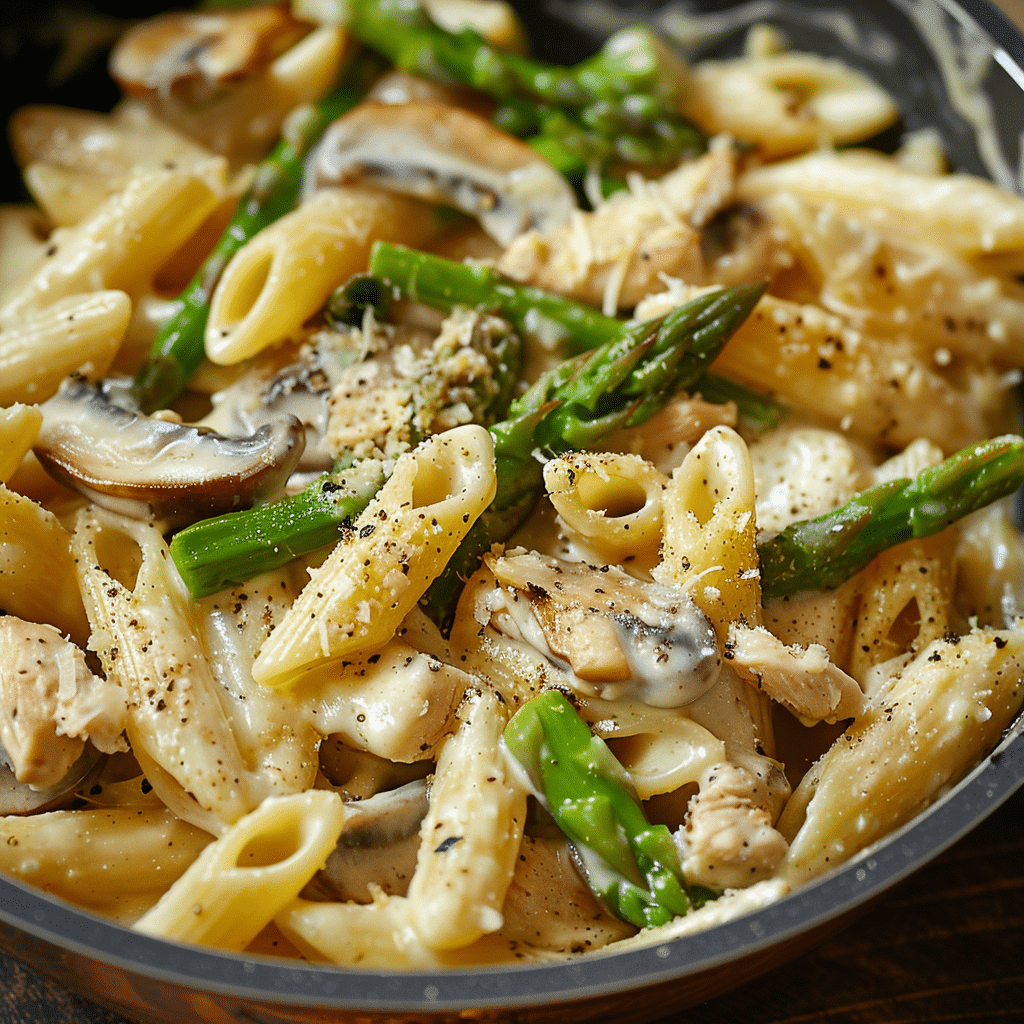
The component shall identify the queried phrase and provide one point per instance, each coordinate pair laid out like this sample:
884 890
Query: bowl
923 52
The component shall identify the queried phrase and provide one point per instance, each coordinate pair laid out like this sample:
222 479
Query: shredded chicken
728 840
801 678
50 703
617 254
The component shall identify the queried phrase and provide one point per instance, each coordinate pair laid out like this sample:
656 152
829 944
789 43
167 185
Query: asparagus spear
444 284
821 553
178 349
618 104
631 866
623 382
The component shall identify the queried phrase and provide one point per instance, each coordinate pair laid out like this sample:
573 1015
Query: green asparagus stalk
623 382
576 327
445 284
822 553
631 866
230 549
620 103
179 349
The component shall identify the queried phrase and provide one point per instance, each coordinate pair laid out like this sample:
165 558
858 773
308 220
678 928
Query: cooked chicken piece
802 678
728 840
616 255
50 703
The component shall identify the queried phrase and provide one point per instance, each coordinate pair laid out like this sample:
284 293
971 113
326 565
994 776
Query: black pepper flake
448 844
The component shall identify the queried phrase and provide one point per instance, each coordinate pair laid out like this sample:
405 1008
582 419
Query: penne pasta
610 504
97 857
121 247
710 530
961 214
373 578
285 273
471 834
787 103
241 881
77 334
950 702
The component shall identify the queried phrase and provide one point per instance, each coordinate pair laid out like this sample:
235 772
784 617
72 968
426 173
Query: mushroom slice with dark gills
378 845
202 50
618 637
268 393
145 467
447 155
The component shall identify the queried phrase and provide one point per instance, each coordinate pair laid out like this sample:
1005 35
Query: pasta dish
460 509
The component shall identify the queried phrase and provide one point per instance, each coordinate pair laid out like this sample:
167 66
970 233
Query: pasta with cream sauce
305 760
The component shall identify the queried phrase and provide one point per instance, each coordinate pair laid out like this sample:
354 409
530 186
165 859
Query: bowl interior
931 58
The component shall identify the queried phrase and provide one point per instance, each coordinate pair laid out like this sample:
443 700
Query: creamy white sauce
673 657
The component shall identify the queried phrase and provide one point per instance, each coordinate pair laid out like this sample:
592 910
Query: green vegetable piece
179 349
443 284
621 103
631 866
232 548
822 553
622 383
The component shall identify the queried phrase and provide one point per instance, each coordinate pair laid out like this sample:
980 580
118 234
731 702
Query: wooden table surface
945 946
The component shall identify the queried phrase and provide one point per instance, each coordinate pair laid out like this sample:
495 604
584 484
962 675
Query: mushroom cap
148 467
202 48
444 154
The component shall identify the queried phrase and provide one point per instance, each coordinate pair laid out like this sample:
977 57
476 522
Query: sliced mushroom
146 467
618 636
228 79
378 845
446 155
258 399
202 50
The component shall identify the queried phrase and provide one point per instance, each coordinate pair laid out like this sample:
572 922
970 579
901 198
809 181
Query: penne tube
957 213
238 883
95 856
378 936
786 103
906 601
371 580
820 367
948 706
80 333
284 274
121 247
470 837
611 505
145 633
710 534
